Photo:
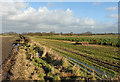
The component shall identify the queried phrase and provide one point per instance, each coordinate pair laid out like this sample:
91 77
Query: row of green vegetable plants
91 40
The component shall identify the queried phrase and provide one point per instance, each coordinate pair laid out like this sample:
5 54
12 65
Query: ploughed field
6 46
101 57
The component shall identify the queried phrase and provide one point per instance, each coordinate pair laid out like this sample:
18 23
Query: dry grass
22 68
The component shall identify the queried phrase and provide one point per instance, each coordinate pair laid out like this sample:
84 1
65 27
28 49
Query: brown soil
6 47
6 66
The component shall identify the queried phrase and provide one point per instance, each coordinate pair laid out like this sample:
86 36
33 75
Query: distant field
103 59
111 40
92 36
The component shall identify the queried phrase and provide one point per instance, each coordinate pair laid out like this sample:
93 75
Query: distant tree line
53 33
9 33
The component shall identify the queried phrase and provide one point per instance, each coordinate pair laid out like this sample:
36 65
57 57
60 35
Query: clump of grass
50 75
40 72
93 75
65 63
76 71
56 77
35 64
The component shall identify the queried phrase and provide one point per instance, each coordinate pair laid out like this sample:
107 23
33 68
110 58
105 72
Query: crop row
92 40
93 52
78 57
81 66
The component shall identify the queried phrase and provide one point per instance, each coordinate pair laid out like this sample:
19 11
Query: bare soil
6 47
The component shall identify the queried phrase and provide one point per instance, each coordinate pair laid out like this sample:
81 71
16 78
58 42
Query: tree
71 33
88 33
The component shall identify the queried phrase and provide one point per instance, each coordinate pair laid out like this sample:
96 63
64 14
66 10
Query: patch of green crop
104 40
104 54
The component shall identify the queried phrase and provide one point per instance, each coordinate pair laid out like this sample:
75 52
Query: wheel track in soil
96 59
86 69
107 65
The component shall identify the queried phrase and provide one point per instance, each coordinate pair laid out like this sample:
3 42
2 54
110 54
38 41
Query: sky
77 17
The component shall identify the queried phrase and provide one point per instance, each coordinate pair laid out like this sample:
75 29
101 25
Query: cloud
17 19
50 4
97 3
112 8
21 5
113 16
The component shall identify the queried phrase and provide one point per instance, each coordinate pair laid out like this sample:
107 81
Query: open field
102 59
53 58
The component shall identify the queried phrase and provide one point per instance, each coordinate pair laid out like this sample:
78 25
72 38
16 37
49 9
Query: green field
111 40
103 59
